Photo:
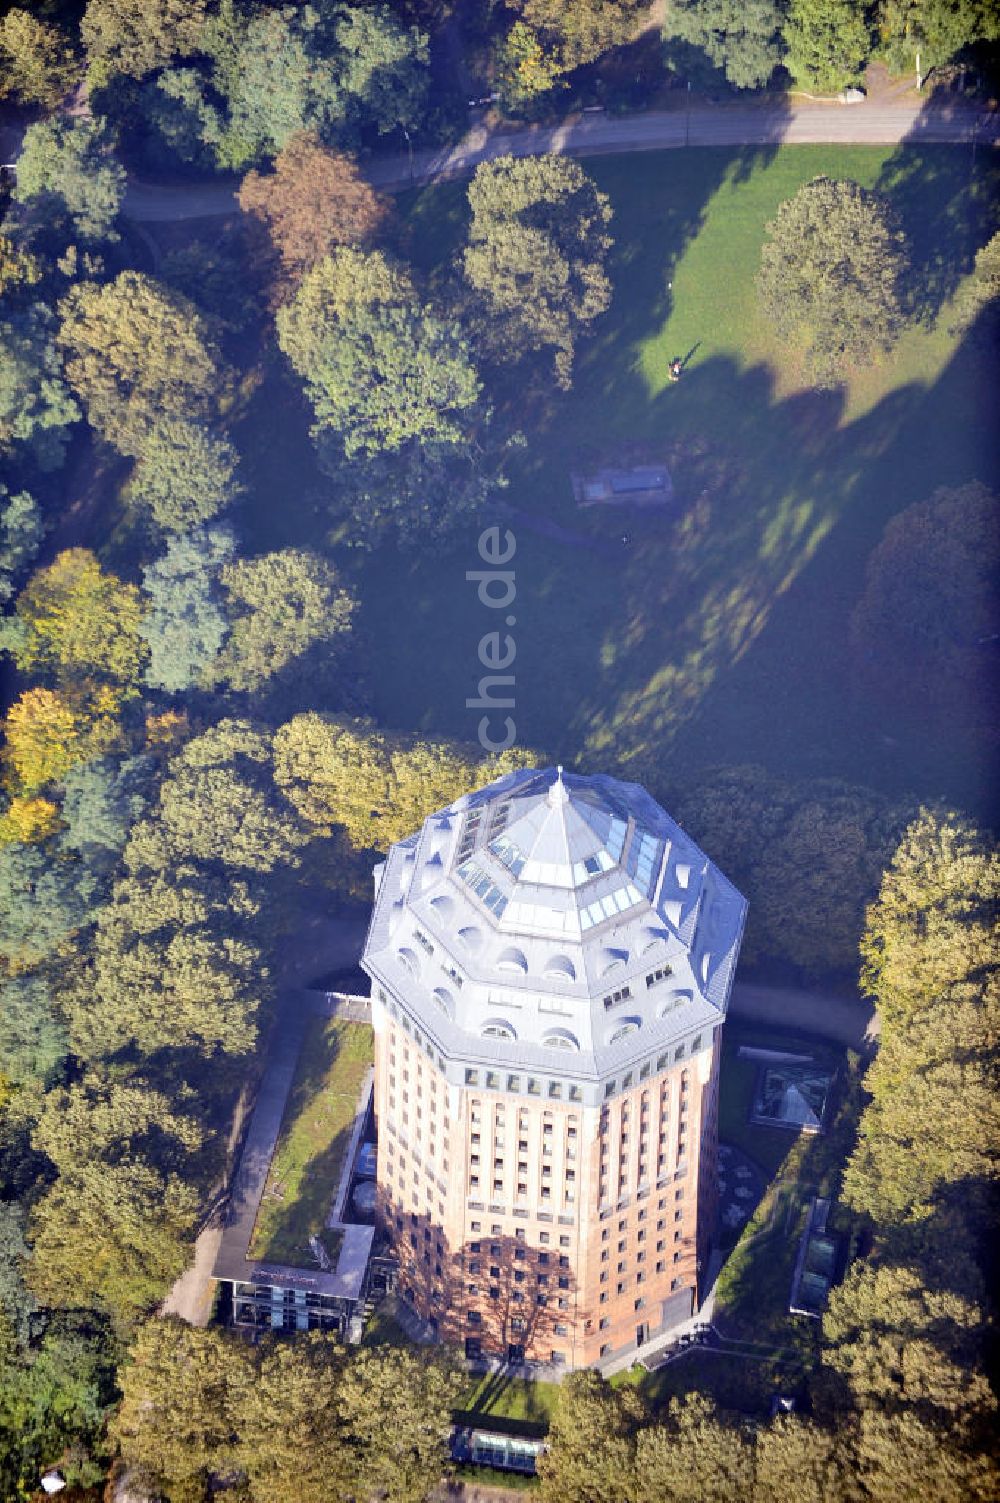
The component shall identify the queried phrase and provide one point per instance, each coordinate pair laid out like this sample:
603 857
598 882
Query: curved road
870 123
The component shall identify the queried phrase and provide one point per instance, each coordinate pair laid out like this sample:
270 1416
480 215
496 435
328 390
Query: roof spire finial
557 790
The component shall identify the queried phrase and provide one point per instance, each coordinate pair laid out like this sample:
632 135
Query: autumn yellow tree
44 738
79 622
377 785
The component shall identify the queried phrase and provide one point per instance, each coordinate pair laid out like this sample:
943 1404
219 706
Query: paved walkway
802 122
847 1020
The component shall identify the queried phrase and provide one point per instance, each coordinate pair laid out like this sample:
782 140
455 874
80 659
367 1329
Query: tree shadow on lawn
948 200
778 554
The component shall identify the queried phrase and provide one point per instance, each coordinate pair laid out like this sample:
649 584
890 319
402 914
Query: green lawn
722 637
513 1404
754 1284
315 1133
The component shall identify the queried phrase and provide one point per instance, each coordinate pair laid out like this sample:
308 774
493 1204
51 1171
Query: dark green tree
380 367
21 533
936 30
33 1037
37 408
977 305
742 40
43 902
830 274
184 475
186 623
828 43
66 170
382 69
536 255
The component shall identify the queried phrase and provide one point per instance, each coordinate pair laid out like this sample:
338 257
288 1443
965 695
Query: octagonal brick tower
551 960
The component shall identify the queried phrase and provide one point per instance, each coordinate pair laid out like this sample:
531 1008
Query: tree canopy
79 622
380 367
37 62
929 604
136 36
66 168
830 274
138 353
185 474
536 254
828 43
314 201
742 40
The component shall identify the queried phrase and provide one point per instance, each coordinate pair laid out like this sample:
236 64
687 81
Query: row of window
663 1062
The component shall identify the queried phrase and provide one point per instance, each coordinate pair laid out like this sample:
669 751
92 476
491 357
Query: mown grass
515 1405
722 636
315 1133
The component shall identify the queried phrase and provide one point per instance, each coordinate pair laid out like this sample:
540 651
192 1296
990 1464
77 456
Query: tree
901 1456
936 30
186 623
591 1449
933 924
37 64
536 254
929 603
379 367
36 406
377 785
136 36
21 533
830 271
977 305
180 120
286 1412
795 1458
102 799
20 268
138 353
42 903
280 605
33 1037
45 735
417 496
79 622
382 69
742 40
313 201
693 1457
112 1235
898 1343
174 1422
525 73
184 942
778 841
53 1401
272 72
582 31
218 804
185 475
29 819
66 168
395 1408
828 43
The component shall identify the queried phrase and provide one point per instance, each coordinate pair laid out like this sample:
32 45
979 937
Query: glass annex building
551 960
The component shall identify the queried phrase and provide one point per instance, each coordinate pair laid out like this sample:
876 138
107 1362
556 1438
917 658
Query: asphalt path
867 124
